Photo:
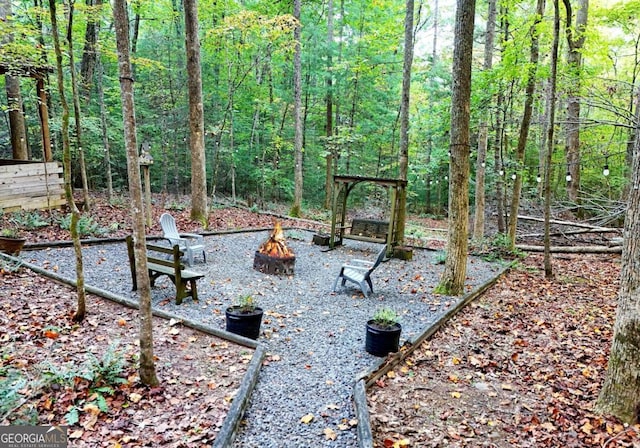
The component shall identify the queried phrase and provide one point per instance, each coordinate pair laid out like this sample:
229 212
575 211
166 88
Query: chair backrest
381 255
168 225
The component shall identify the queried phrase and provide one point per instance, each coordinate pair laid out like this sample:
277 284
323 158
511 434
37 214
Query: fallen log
573 249
571 232
569 223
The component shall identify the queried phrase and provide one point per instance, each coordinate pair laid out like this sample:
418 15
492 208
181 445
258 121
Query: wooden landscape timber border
229 428
30 185
370 376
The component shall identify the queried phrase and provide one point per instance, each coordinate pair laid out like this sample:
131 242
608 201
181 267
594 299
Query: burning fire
275 246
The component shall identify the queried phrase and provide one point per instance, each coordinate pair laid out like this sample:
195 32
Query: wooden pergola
342 186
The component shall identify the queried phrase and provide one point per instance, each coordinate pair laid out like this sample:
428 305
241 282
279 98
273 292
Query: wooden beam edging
229 428
365 379
240 401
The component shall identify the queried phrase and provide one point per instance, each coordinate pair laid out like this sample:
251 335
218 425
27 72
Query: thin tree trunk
105 135
328 182
404 116
147 365
297 114
453 277
77 113
66 161
575 40
525 124
483 132
199 211
548 268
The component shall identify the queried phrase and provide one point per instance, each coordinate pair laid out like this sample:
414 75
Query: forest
351 77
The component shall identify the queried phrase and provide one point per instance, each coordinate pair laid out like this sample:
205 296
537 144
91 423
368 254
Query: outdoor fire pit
274 257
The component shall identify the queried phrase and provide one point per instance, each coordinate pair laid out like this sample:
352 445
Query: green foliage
496 248
86 226
100 376
246 304
385 317
13 400
29 220
440 257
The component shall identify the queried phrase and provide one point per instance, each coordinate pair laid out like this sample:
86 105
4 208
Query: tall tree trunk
196 115
90 52
147 366
16 118
548 268
328 182
66 161
483 132
575 40
452 281
77 112
620 394
105 134
404 115
297 113
525 124
14 99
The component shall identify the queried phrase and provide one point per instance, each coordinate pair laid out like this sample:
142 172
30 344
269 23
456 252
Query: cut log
573 249
568 223
572 232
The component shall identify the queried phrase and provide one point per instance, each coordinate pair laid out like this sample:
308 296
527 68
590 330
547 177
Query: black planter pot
242 323
381 341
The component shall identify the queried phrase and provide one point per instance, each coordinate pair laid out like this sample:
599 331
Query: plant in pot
244 317
11 242
383 332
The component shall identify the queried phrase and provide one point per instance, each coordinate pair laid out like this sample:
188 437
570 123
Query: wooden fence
27 185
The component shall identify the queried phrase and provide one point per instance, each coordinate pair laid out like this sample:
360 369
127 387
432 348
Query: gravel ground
314 337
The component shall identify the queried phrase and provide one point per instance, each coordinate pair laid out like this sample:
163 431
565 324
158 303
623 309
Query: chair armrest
363 263
192 236
357 268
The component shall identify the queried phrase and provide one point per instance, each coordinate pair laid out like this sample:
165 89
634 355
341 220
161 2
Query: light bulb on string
501 172
568 176
538 178
605 171
513 176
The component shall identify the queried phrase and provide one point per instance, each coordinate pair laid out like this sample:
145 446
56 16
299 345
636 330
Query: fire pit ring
273 265
274 257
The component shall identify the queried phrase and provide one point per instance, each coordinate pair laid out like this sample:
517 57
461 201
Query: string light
501 172
568 177
605 171
513 176
538 177
483 164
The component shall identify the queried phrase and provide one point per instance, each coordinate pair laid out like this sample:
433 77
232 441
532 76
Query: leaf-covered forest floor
521 366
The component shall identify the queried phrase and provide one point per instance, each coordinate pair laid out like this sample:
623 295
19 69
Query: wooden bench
370 228
166 261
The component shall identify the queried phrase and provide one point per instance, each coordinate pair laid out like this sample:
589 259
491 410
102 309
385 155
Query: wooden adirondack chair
189 243
359 272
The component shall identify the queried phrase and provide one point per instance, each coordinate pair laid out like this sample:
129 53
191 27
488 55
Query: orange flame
275 245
